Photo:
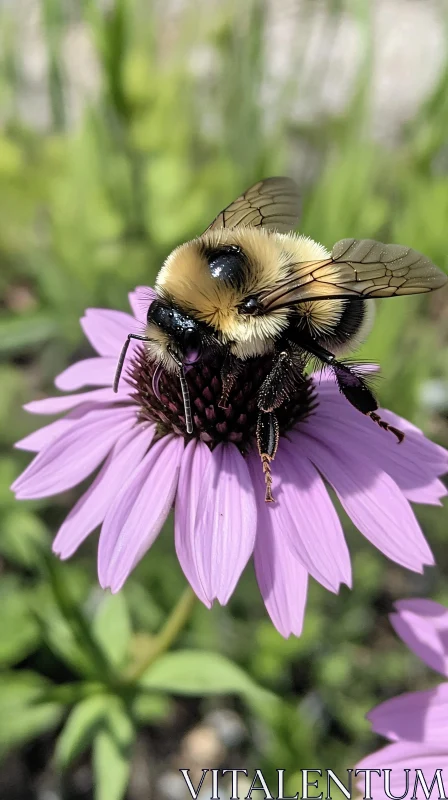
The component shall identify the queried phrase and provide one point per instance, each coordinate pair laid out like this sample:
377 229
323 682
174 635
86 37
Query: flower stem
168 634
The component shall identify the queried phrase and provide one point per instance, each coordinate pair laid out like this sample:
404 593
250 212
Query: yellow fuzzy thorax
185 279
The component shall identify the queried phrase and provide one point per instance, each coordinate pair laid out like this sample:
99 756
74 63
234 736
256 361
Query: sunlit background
125 126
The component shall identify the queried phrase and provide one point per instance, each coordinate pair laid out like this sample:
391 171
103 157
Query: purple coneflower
416 722
214 479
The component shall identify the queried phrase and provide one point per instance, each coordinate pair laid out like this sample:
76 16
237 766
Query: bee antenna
187 402
124 350
185 392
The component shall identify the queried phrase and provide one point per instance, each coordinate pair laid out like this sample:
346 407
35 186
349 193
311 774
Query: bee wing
272 204
361 268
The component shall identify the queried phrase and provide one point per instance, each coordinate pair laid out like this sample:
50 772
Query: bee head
179 335
216 280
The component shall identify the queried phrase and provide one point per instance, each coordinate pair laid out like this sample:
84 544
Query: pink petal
48 434
138 512
423 626
57 405
372 500
91 508
431 494
89 372
413 465
75 454
415 716
140 300
39 439
327 374
227 523
107 330
282 578
428 449
306 518
190 492
398 757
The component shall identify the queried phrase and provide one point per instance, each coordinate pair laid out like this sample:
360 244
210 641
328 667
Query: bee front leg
268 433
230 370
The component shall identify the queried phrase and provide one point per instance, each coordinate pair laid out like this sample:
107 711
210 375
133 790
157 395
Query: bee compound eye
250 306
191 346
156 313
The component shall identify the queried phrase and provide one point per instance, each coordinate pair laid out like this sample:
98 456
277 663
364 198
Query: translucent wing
362 268
272 204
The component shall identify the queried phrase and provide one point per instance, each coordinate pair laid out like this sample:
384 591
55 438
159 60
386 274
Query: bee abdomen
351 321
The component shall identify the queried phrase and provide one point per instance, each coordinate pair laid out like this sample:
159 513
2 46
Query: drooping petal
413 465
75 454
431 494
227 524
89 372
428 449
403 756
423 626
372 500
415 717
190 494
282 578
424 449
36 441
140 300
107 330
325 376
135 518
306 517
57 405
91 508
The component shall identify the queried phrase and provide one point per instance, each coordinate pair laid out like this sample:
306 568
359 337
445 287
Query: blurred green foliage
89 210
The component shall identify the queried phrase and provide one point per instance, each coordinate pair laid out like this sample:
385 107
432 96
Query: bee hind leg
386 427
267 440
353 386
276 389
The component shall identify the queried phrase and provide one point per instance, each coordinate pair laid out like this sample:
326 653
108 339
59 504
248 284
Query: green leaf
61 640
22 536
149 708
112 627
80 729
19 633
202 673
112 752
18 333
22 716
81 644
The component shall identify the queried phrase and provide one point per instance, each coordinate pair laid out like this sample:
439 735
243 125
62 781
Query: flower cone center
212 424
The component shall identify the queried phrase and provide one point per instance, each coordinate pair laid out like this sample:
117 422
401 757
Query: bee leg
276 388
230 370
354 387
278 384
386 427
267 440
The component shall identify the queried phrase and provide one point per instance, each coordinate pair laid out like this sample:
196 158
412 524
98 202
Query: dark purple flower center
161 401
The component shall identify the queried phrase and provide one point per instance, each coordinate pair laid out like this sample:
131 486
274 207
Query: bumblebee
249 286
